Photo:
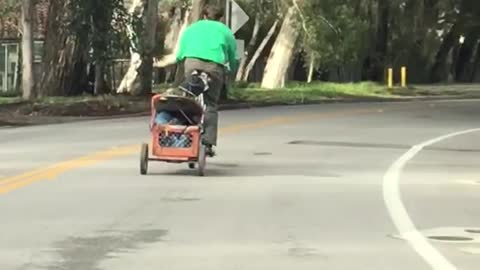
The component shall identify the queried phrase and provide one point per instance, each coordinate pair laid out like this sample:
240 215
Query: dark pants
212 96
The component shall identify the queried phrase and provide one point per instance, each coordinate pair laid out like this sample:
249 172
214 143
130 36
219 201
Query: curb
47 120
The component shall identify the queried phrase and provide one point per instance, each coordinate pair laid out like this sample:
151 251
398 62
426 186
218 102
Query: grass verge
300 93
9 100
294 93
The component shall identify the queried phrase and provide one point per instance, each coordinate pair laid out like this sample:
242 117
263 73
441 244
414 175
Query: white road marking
469 182
398 213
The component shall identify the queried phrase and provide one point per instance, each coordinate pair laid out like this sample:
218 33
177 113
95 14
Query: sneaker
210 151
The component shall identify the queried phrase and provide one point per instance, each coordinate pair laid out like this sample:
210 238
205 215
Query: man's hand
165 61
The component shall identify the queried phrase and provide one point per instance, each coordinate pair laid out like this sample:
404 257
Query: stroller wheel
202 160
144 159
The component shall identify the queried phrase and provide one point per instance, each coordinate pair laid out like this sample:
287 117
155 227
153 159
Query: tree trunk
476 64
282 52
381 44
169 60
101 18
197 10
466 56
149 46
451 64
28 79
173 37
99 88
64 54
476 70
259 51
250 48
440 70
142 32
311 69
173 34
171 40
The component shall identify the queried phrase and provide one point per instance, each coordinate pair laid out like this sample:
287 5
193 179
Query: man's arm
232 52
181 48
175 57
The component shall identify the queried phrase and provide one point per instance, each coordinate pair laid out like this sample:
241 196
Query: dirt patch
65 110
82 108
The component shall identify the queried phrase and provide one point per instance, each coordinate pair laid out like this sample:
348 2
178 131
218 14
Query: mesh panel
175 140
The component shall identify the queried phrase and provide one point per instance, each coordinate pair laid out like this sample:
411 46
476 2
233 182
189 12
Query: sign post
235 18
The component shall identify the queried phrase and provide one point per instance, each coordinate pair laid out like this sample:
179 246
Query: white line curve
399 214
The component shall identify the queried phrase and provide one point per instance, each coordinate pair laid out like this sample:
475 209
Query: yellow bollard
404 77
390 78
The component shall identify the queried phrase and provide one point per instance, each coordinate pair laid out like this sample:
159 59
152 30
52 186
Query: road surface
342 186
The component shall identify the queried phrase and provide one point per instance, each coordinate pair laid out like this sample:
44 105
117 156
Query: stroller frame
195 153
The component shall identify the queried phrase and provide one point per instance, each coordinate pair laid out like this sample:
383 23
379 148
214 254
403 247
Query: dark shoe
210 151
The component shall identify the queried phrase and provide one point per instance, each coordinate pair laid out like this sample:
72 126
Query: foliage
300 93
104 23
9 100
10 94
9 19
335 36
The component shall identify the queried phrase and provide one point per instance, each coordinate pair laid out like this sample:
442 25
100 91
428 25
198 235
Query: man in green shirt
209 45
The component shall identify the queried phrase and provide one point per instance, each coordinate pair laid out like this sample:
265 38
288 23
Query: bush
10 94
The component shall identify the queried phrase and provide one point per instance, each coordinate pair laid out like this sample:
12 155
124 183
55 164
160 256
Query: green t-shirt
209 40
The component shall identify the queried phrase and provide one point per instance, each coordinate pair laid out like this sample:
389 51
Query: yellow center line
52 172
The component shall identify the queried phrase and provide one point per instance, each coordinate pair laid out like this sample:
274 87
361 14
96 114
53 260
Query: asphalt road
343 186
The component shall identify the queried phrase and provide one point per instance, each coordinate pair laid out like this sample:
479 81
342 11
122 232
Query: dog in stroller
177 125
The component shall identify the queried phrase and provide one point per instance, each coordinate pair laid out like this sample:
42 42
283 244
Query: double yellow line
50 173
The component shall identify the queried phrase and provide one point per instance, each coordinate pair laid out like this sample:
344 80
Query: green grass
9 97
71 100
293 93
8 100
298 93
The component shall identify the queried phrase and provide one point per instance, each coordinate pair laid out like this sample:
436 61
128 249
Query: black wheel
191 166
144 159
202 160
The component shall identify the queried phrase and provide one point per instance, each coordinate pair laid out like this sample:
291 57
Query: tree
282 52
65 53
348 39
192 15
9 24
333 37
259 51
197 10
101 18
142 35
176 26
28 78
250 50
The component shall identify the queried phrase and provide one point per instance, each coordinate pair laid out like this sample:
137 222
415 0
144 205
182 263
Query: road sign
236 16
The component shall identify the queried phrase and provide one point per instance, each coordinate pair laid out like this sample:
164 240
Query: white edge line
399 214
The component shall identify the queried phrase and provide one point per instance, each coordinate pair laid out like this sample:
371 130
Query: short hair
212 12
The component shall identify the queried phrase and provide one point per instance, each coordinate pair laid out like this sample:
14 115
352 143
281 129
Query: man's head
214 13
